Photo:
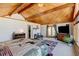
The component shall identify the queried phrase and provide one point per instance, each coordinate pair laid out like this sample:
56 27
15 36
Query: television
63 29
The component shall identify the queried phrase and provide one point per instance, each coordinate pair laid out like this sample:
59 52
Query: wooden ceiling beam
73 11
76 10
23 7
51 10
15 8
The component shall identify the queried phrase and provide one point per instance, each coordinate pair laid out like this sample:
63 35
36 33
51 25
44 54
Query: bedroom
39 29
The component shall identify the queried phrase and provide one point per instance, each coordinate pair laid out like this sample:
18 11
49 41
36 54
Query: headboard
18 35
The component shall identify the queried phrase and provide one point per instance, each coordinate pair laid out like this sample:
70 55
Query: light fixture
40 4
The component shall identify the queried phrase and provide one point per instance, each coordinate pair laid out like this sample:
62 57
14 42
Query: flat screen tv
63 29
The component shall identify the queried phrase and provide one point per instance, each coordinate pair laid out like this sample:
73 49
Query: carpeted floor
61 49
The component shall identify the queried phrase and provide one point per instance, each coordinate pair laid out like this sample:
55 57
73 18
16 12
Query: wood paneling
23 7
35 9
62 15
15 9
7 8
52 10
48 13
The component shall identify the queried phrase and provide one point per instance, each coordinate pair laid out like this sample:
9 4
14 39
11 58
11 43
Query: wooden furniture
18 35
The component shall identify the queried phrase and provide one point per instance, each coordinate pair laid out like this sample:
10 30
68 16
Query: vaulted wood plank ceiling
6 9
42 13
36 9
58 16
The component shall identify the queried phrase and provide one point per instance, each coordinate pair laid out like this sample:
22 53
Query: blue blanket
47 46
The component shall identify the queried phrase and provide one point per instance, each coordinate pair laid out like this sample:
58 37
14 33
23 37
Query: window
51 31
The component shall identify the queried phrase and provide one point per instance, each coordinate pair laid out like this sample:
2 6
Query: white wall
8 26
15 23
17 16
76 30
34 31
61 24
33 25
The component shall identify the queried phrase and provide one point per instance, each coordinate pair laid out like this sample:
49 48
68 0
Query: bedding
47 47
5 51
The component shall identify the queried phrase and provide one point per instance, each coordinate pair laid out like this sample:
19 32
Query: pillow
67 39
44 49
64 37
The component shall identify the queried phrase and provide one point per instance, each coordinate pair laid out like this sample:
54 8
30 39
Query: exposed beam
73 11
23 7
51 10
76 9
76 15
15 8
